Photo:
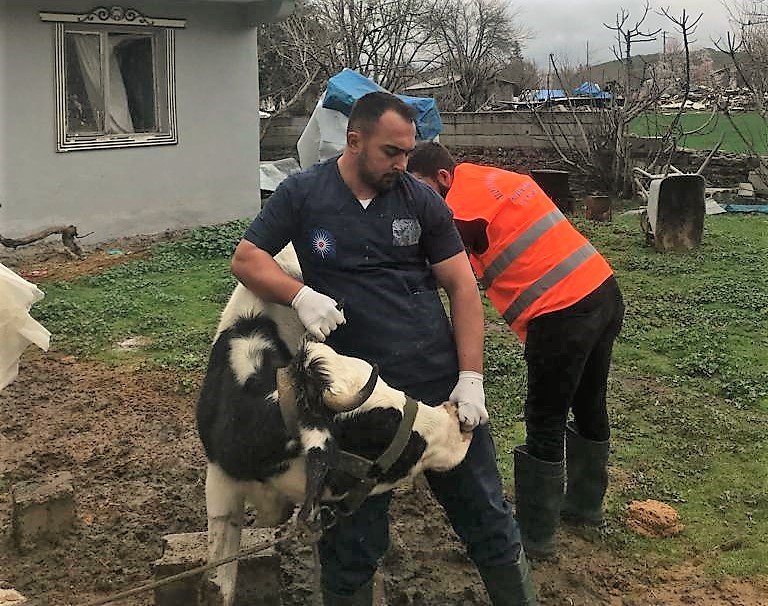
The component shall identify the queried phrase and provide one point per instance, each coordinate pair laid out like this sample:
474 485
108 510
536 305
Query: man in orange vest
560 297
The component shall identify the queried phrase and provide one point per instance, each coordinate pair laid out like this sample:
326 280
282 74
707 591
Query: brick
42 510
258 576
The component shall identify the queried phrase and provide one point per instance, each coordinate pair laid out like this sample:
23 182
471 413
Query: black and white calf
340 404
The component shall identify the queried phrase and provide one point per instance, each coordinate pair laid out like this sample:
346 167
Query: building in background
129 119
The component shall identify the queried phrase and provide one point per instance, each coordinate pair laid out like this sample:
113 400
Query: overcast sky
563 27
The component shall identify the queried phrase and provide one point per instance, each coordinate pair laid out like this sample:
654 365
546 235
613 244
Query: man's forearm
260 273
468 326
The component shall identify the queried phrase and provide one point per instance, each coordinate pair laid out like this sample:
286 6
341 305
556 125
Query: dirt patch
138 473
49 261
653 519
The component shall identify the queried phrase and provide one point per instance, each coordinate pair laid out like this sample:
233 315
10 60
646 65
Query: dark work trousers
568 353
471 495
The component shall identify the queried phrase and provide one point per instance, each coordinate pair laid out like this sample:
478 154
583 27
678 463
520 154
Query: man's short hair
428 158
369 108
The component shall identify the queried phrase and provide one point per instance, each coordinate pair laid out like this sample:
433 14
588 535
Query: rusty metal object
597 208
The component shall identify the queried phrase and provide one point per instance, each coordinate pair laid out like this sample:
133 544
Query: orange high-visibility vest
536 261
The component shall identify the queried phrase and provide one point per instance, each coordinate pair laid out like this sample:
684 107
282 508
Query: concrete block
42 510
11 597
258 576
747 190
759 182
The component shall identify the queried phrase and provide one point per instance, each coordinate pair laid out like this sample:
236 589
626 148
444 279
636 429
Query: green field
688 391
750 124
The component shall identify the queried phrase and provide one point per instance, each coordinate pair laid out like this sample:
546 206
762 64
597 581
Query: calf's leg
224 501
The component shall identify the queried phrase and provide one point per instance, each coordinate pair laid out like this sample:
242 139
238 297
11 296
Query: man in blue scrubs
371 236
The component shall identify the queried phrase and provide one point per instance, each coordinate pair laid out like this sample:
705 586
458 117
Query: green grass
751 125
173 299
688 394
688 391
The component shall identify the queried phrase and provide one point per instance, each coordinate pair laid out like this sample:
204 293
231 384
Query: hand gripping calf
470 398
318 313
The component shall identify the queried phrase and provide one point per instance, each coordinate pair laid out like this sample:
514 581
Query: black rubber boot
587 470
510 585
538 497
362 597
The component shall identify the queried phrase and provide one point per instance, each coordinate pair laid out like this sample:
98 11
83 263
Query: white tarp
712 207
272 173
17 328
324 136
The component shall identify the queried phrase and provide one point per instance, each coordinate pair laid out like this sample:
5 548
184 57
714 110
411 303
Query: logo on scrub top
323 243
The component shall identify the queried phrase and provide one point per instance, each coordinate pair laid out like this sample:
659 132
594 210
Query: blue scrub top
376 261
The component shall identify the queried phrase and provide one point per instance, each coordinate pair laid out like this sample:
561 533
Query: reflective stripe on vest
547 281
520 245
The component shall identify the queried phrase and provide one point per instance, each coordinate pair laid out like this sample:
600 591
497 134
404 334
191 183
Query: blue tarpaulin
348 86
746 208
545 94
590 89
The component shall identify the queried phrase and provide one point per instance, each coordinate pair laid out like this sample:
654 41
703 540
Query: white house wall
210 176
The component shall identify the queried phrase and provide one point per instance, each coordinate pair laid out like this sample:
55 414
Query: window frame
118 20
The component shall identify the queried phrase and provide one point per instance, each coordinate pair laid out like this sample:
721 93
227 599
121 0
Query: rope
194 571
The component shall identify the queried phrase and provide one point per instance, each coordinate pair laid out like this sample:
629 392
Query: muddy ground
129 440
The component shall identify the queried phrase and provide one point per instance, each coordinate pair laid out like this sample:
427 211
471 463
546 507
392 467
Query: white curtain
118 116
89 57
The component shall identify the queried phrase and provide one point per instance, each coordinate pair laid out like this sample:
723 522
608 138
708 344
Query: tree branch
68 238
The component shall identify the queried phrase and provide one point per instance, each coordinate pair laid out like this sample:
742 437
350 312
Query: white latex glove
469 395
317 313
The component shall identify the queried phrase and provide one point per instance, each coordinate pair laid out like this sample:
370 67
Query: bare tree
747 48
289 65
384 40
393 42
600 146
475 39
522 70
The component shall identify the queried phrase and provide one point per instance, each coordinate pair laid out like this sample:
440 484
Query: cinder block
258 575
42 510
11 597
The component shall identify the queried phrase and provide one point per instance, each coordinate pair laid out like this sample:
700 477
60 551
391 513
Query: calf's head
343 404
323 384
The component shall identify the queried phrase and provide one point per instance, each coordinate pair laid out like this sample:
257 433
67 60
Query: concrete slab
42 509
258 578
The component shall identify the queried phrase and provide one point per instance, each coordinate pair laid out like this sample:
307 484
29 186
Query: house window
114 79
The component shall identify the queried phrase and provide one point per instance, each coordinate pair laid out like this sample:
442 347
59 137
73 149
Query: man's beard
381 183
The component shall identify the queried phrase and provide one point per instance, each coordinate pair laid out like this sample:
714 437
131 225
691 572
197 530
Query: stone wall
511 140
518 129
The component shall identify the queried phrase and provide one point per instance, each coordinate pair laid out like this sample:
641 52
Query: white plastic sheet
273 173
324 136
17 328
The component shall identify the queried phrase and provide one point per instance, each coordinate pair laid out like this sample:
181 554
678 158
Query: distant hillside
614 70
